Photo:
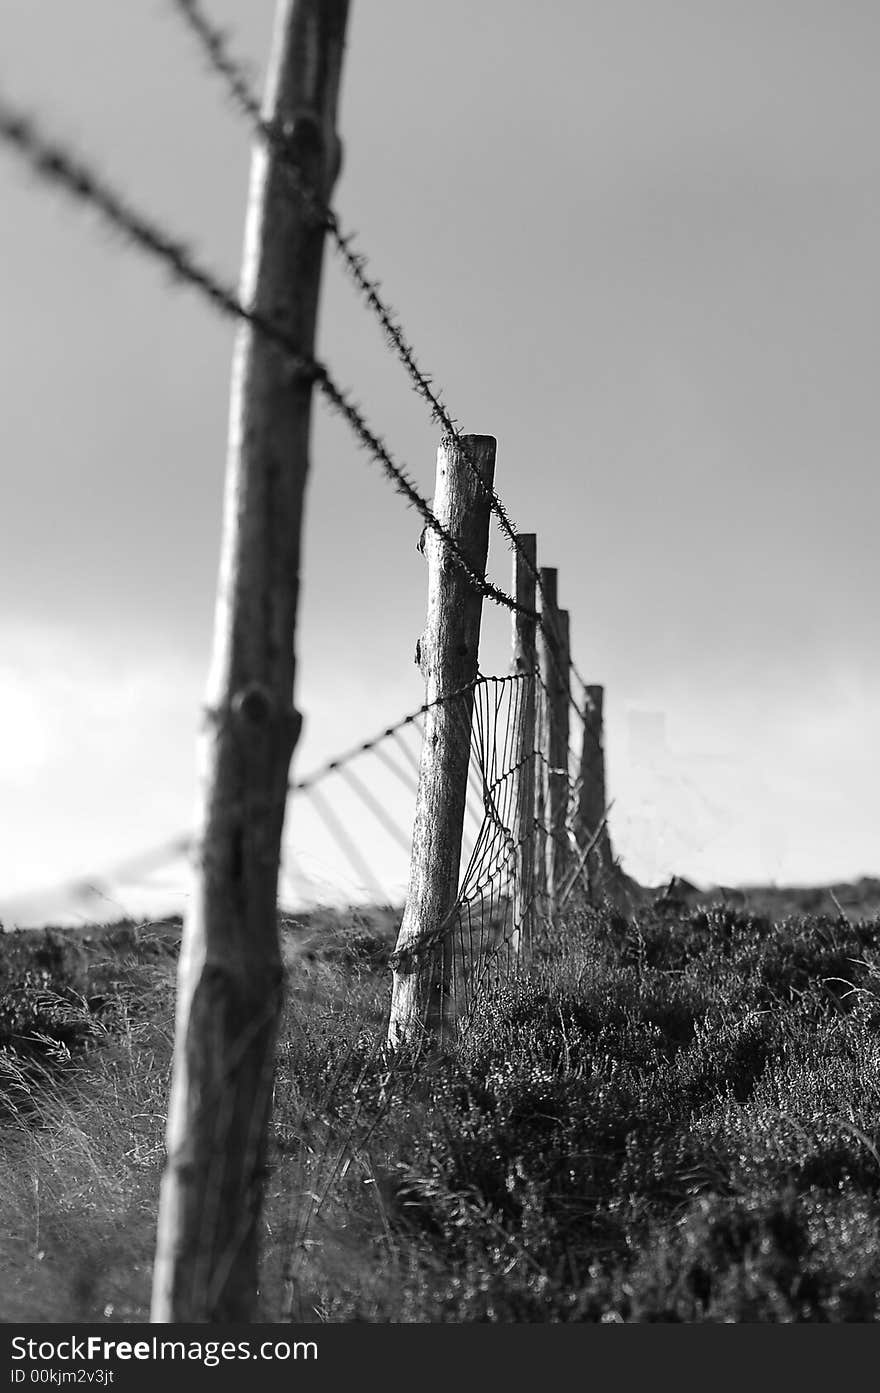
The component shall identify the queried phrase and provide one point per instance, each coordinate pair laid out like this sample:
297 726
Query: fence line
215 48
411 718
465 929
139 868
486 927
486 759
471 911
57 165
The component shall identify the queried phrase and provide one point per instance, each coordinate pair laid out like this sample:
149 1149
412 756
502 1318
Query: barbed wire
215 47
484 928
57 165
137 867
411 718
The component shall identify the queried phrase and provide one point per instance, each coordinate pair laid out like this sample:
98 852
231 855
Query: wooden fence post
592 796
542 908
447 652
562 836
230 974
554 664
525 661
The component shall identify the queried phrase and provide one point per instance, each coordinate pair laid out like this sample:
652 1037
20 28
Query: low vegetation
672 1118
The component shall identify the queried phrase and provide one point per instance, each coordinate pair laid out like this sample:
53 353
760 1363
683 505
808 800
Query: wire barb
59 166
216 50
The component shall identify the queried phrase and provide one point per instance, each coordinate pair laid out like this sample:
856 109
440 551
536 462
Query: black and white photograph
439 673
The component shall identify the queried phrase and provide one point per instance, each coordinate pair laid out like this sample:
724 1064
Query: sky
635 240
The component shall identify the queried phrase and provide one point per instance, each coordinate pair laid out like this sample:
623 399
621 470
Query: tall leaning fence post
447 653
592 797
554 667
524 665
230 972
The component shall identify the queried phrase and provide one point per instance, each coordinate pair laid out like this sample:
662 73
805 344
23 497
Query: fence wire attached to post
447 653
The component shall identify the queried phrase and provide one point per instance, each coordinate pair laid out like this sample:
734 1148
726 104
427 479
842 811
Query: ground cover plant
673 1117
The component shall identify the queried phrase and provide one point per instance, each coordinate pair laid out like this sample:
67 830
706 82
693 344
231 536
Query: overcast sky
636 240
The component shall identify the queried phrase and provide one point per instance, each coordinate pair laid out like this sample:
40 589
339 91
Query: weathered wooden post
542 908
229 986
554 666
525 662
592 796
563 836
447 653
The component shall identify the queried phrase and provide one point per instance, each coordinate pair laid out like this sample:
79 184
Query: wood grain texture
524 664
229 987
447 653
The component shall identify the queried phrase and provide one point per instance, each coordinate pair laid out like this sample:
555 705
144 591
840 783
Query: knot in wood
316 154
254 704
298 131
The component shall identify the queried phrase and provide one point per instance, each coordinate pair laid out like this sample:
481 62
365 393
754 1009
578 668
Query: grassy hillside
671 1119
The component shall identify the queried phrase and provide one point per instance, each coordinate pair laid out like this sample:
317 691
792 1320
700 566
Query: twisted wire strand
411 719
481 922
57 165
216 49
